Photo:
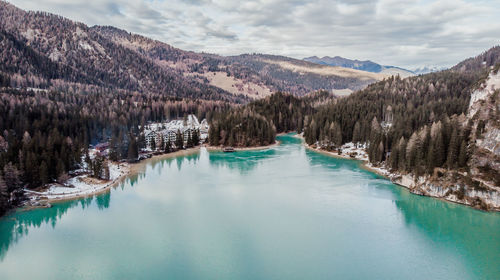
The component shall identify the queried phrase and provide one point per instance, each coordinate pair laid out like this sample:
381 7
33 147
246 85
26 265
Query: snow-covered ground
349 150
82 185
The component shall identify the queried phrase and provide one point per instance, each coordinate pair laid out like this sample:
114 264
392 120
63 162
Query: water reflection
13 227
438 222
242 161
473 231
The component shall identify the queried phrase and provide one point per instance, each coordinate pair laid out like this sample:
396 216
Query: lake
280 213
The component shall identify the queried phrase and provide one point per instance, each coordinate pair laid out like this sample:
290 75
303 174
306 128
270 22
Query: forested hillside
257 123
398 113
45 135
42 50
425 126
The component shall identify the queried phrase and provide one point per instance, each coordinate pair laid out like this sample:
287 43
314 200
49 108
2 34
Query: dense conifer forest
417 119
65 86
44 136
257 123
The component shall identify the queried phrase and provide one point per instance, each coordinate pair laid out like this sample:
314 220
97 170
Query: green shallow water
281 213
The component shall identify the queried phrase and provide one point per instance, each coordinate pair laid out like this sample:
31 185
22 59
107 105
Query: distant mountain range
365 65
43 50
428 69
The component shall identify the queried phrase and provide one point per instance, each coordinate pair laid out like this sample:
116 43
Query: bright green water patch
281 213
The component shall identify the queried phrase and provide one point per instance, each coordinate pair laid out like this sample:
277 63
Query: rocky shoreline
486 198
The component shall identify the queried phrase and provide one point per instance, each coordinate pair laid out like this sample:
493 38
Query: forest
415 120
44 135
257 123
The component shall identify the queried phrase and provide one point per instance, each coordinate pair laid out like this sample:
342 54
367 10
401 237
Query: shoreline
239 149
364 164
132 169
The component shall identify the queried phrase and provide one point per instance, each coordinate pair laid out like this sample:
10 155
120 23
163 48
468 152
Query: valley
234 140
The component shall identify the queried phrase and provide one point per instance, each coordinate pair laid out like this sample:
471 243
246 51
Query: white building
168 131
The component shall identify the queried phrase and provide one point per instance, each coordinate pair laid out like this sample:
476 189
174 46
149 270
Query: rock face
484 113
480 187
482 196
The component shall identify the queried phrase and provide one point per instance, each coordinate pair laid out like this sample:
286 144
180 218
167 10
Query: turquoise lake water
280 213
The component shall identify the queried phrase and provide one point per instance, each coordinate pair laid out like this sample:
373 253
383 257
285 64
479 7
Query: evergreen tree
153 145
133 153
168 146
189 143
453 149
179 140
196 137
356 133
44 173
4 196
114 151
105 171
12 177
463 155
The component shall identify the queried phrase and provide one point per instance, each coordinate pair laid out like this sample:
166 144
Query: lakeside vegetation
44 135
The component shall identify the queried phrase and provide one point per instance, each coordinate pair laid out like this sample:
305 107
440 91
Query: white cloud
406 33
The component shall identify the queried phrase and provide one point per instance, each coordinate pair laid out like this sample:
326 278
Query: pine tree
453 150
44 173
153 145
4 196
338 135
356 133
179 140
168 146
438 150
402 154
463 155
12 177
189 143
113 149
97 164
394 157
133 152
105 170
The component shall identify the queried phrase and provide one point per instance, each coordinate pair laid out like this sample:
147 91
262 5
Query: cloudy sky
406 33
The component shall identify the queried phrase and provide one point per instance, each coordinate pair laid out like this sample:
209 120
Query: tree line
257 123
44 136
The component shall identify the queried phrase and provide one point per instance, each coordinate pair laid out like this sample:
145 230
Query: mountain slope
366 65
481 62
255 75
437 134
87 59
67 55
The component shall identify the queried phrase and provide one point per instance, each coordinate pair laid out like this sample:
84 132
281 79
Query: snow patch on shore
83 184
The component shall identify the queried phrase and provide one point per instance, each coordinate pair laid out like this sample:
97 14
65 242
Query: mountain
427 69
482 62
42 50
366 65
48 51
438 134
252 75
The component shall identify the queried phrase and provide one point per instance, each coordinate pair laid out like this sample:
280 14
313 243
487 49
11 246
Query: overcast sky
406 33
